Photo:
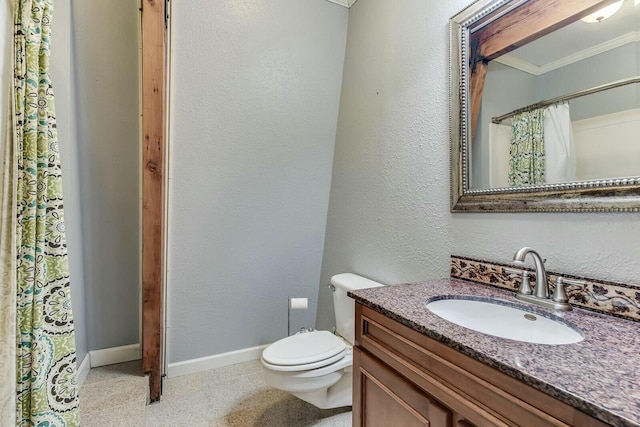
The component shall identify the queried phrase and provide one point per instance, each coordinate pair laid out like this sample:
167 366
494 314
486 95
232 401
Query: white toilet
316 366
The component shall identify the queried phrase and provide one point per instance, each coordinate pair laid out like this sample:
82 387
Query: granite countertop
600 375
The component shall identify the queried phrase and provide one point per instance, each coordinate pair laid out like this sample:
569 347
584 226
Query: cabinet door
382 398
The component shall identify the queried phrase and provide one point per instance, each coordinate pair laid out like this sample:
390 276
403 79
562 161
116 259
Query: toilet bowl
316 366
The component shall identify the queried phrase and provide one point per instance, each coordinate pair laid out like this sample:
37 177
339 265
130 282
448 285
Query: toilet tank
343 305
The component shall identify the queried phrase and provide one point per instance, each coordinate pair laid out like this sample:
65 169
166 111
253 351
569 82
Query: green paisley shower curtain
526 154
45 360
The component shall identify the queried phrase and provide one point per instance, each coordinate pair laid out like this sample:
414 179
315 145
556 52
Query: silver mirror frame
612 195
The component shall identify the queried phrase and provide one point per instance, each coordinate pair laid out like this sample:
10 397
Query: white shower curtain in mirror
560 154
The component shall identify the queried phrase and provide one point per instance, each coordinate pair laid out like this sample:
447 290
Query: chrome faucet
540 294
542 286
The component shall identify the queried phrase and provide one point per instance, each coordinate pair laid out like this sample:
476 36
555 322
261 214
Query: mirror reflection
564 107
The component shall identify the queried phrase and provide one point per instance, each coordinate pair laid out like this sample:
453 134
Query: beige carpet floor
233 396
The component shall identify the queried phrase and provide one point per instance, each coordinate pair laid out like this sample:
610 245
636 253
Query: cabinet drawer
481 394
388 399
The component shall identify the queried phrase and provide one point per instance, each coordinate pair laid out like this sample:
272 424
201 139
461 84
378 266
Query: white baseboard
216 361
113 355
83 369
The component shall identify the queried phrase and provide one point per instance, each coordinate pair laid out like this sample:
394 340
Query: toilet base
328 391
336 396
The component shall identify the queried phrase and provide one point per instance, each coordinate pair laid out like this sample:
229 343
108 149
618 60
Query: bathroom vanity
413 368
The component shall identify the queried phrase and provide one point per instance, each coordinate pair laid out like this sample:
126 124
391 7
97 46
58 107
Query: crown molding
344 3
528 67
519 64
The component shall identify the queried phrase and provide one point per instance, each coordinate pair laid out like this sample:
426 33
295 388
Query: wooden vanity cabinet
404 378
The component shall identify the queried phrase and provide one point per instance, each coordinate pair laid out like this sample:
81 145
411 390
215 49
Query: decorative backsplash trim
617 299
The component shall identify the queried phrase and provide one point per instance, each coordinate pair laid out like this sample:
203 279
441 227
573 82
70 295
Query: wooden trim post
153 126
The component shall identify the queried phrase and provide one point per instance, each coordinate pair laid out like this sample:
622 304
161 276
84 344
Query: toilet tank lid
301 349
352 281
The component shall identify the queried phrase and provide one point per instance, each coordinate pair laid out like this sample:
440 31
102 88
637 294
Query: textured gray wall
255 103
389 205
62 75
389 216
105 66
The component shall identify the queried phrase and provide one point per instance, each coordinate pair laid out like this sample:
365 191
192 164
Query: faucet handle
560 293
525 288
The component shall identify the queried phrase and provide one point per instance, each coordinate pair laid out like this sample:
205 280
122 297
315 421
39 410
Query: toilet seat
304 351
305 367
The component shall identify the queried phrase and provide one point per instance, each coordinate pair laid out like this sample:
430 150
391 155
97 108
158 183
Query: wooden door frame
154 35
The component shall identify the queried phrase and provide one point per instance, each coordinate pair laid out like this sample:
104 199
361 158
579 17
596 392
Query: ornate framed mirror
545 106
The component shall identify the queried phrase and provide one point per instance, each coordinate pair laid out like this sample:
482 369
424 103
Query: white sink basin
489 317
